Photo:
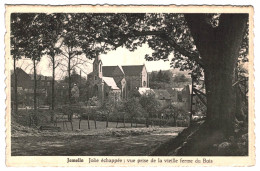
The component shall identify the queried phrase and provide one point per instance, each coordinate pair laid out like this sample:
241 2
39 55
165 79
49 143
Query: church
116 82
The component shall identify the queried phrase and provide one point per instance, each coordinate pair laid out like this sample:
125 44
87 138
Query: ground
103 141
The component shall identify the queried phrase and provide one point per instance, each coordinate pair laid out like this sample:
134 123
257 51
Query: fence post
88 123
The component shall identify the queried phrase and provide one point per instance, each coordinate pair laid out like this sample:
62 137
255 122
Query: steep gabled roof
110 82
20 71
132 70
108 71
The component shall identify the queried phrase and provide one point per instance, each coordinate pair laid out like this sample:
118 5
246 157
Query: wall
133 82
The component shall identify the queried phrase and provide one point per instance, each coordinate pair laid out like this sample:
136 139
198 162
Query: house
115 82
162 96
25 86
23 79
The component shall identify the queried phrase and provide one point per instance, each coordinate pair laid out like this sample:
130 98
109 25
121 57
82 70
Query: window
95 77
144 84
100 68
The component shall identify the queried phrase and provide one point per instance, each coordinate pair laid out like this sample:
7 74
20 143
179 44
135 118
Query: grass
100 142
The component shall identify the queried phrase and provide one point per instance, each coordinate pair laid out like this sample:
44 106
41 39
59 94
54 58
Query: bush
31 117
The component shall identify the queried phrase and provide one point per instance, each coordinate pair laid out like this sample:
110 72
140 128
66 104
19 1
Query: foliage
133 108
180 35
134 93
93 101
150 105
171 111
180 78
160 80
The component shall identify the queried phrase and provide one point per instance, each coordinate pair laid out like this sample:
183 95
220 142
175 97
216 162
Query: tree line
209 43
142 109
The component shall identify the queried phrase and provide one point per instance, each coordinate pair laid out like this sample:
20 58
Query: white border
156 2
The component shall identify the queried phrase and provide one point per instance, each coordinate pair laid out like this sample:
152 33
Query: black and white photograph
130 84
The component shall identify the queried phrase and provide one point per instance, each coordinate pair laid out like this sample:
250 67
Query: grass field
94 142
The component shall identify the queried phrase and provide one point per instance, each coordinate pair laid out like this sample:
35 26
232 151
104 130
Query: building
116 82
24 80
25 87
162 96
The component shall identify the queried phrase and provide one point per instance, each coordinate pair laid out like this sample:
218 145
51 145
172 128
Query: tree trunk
95 121
88 123
220 99
107 121
124 120
69 81
117 120
35 86
219 49
53 84
175 121
238 98
15 89
147 122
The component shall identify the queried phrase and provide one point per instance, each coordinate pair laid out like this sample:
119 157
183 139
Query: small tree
174 112
108 108
93 101
150 105
133 108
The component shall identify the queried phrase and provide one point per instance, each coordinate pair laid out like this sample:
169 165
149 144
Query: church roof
132 70
110 82
108 71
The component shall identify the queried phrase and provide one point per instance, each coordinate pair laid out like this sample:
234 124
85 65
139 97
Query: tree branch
164 36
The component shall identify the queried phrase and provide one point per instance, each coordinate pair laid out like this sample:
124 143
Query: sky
120 56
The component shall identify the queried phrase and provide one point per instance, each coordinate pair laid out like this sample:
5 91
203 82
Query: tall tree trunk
15 89
107 120
219 99
219 49
124 119
53 84
69 81
175 121
35 86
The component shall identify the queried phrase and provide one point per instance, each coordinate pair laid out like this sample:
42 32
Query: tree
108 107
53 29
150 105
159 77
133 108
71 48
180 78
167 76
29 41
199 42
173 112
219 55
80 42
160 80
17 47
